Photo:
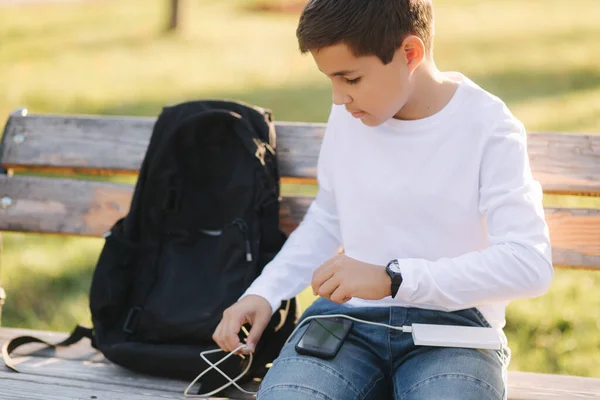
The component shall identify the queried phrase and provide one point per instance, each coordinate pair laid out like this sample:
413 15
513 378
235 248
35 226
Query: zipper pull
248 251
244 229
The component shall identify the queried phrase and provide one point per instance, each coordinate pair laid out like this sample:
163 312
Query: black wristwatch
393 270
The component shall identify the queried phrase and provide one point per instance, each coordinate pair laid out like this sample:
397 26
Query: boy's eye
352 81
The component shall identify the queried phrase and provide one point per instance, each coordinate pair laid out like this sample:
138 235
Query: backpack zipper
241 224
211 232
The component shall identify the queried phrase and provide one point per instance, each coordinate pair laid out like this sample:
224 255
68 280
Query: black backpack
203 222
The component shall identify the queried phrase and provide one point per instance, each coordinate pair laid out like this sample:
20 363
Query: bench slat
86 208
116 145
58 371
53 384
89 208
83 367
62 206
95 372
575 236
534 386
35 387
564 163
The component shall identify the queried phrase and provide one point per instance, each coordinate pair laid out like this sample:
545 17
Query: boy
424 180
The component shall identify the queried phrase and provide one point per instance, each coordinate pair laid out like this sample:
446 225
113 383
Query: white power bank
456 336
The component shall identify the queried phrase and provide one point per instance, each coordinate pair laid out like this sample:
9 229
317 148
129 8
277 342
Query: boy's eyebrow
343 72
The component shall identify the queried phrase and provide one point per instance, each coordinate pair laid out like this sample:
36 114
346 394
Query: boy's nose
340 98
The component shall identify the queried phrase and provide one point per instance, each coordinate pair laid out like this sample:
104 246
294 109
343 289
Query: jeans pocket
484 322
504 352
505 355
474 317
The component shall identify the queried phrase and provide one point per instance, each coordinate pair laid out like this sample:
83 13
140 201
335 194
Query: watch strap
396 277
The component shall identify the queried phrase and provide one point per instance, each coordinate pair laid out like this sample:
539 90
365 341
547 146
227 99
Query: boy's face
369 89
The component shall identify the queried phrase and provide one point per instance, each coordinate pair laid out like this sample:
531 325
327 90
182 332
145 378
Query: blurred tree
173 15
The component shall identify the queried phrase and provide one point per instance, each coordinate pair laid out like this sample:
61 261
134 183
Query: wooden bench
564 164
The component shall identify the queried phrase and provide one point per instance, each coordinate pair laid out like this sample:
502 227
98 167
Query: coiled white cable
214 366
406 329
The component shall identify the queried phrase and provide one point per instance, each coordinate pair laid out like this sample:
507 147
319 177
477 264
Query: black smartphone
324 337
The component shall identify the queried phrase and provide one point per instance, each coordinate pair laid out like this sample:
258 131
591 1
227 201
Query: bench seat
81 372
564 163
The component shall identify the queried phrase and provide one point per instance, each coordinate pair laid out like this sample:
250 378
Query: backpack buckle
261 150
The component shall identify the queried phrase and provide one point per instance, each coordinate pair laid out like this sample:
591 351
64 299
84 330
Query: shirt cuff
409 282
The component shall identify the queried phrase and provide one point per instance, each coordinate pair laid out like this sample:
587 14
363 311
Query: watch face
394 266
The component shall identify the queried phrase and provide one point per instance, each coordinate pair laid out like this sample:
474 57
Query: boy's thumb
256 331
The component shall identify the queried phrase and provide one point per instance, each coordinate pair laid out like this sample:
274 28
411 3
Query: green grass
110 57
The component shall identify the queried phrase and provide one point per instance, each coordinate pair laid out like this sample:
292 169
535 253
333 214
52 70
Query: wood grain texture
30 386
86 208
575 236
89 208
564 163
34 385
63 373
90 371
69 370
117 144
533 386
62 206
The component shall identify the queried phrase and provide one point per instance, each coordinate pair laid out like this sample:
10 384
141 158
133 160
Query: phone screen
325 335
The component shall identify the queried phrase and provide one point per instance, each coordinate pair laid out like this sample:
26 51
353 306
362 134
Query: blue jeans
380 363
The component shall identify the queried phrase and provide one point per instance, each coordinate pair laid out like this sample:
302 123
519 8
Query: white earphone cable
406 329
214 366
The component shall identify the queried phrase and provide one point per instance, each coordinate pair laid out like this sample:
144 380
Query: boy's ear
414 51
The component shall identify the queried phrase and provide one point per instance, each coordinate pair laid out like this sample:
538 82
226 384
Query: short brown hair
367 27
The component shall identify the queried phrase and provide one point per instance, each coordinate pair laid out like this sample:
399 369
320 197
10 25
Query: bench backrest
564 164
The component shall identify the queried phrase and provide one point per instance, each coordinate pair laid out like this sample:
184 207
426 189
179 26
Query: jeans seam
324 366
486 323
504 352
372 386
478 381
296 387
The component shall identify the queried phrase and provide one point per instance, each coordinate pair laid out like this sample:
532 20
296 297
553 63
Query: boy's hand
341 278
251 309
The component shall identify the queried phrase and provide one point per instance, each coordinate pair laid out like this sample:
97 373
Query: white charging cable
214 366
405 329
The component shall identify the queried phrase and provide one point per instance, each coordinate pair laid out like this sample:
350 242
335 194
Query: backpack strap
78 333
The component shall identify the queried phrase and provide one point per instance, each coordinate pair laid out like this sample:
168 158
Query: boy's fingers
320 276
323 266
217 336
339 296
328 287
231 335
258 327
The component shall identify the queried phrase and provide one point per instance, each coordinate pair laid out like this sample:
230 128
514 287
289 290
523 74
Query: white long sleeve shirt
451 196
